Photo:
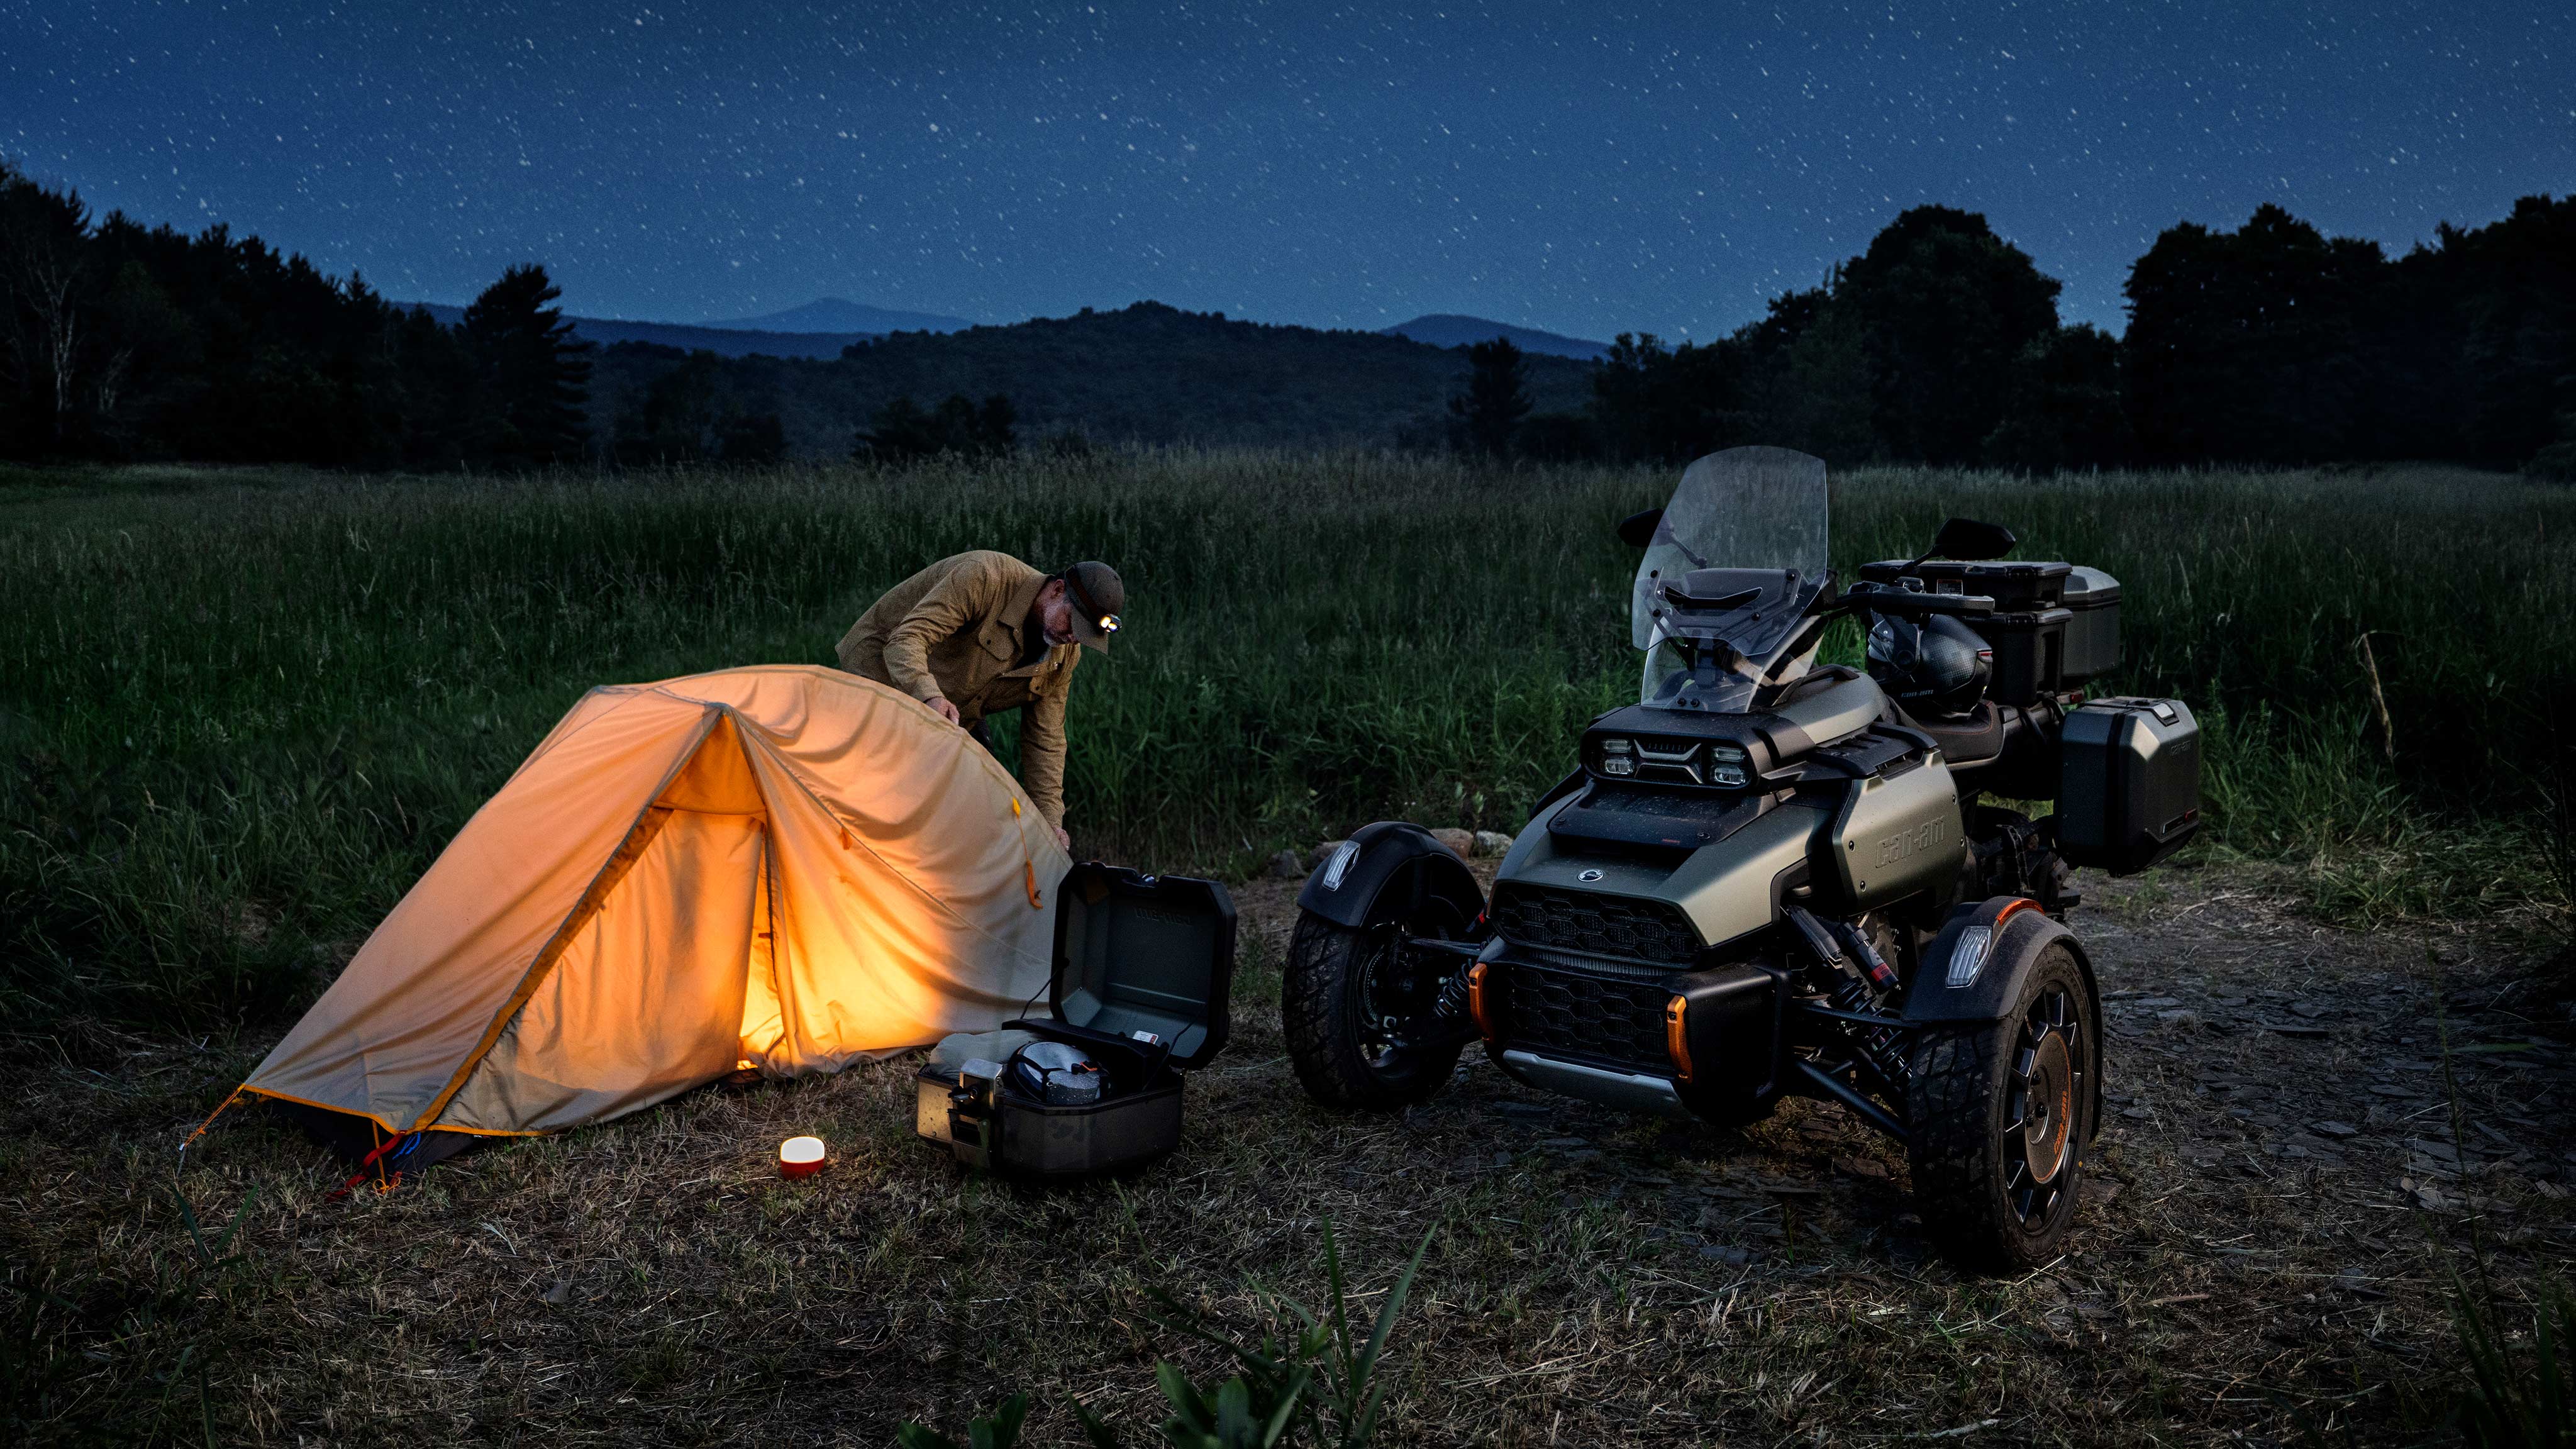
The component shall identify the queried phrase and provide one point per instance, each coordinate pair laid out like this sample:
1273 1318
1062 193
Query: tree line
119 340
1941 343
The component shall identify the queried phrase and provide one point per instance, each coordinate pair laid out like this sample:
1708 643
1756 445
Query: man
980 633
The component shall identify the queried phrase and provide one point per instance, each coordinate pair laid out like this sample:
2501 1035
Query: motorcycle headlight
1725 764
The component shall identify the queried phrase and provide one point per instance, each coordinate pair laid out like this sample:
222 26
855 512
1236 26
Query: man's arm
954 603
1042 754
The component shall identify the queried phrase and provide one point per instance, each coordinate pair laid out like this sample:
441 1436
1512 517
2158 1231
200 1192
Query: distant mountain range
1448 329
1145 373
722 341
838 315
822 327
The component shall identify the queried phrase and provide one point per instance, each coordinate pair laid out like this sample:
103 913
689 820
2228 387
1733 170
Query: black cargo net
1563 920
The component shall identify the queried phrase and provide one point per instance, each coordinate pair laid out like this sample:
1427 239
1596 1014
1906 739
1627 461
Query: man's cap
1098 597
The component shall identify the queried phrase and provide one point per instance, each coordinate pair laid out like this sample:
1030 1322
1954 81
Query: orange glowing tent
782 867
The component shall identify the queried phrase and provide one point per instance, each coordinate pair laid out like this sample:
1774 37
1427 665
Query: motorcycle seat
1969 739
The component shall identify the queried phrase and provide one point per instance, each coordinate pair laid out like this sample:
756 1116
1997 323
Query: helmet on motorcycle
1937 667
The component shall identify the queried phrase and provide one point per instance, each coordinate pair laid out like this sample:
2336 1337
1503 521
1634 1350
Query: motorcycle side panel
1896 835
1732 889
1398 866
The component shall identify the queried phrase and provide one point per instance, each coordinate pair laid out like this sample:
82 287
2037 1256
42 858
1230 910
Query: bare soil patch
2280 1203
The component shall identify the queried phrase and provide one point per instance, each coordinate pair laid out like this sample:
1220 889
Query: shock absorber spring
1856 979
1878 1044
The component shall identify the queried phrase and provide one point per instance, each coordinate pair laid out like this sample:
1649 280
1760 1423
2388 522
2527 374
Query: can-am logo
1589 876
1905 843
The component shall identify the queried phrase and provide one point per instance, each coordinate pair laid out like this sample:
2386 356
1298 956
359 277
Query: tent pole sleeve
637 839
648 823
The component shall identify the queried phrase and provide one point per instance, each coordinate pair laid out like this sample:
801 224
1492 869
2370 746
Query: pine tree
1497 398
533 372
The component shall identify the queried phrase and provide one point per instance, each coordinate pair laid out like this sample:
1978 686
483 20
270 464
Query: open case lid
1138 952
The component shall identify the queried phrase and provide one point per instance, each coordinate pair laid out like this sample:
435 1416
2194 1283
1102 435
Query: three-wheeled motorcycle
1770 878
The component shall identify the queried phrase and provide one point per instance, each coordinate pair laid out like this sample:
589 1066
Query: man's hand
946 710
1064 840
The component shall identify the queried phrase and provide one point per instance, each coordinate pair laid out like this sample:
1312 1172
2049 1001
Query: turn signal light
1677 1036
1476 1001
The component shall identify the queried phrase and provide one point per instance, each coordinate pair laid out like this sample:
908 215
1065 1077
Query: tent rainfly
781 867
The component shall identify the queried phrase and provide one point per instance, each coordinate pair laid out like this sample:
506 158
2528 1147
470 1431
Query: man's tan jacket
955 630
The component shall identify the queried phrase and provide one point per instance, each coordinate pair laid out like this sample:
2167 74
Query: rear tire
2003 1113
1344 992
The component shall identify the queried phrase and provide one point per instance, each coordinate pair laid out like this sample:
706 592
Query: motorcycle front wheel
1373 1026
2002 1113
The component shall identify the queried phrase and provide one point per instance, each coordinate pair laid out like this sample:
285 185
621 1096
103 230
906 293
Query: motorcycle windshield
1745 520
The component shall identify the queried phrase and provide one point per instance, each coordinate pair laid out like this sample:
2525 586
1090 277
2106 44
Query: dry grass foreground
2281 1208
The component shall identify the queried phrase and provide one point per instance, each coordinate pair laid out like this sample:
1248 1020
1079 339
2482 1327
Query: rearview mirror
1638 529
1968 540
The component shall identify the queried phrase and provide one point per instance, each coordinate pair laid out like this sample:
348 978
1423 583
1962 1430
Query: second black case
1143 966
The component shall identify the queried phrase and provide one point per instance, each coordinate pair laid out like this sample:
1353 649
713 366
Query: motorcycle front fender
2014 931
1388 871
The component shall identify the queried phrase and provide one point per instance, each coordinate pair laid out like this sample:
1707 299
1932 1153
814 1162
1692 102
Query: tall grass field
241 711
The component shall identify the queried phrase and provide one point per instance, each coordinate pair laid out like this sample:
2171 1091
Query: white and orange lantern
800 1157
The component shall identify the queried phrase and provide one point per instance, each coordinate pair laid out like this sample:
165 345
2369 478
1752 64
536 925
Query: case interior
1135 952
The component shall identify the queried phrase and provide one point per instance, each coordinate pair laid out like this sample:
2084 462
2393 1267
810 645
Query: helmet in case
1056 1074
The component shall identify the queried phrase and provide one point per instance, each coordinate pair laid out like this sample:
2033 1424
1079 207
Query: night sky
1582 168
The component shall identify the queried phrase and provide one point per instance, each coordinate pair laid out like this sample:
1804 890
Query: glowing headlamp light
1109 623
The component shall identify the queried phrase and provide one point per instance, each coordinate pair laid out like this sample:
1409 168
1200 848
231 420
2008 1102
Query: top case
1137 952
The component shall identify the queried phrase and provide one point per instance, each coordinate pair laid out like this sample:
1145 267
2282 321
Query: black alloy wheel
1371 1022
2002 1113
2045 1081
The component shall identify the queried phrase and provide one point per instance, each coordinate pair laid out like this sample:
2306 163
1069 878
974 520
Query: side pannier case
1143 965
2128 791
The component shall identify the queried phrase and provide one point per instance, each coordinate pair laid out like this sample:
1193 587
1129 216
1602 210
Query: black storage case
2128 792
2054 625
2092 600
1133 953
2029 653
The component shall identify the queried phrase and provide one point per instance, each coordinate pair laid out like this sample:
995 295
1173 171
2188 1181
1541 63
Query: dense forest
1940 343
123 341
2272 343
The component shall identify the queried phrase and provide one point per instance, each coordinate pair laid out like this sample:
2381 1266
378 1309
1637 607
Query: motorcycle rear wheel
1364 1019
2003 1114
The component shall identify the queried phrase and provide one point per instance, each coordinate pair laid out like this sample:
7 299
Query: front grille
1563 920
1560 1013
